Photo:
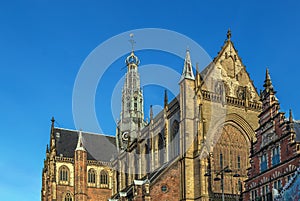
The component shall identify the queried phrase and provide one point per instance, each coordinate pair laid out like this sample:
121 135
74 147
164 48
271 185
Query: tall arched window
174 140
104 179
92 176
64 174
232 150
68 197
161 148
147 156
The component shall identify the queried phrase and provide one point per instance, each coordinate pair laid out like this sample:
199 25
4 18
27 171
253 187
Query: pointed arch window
92 176
161 148
174 140
64 175
68 197
104 179
239 162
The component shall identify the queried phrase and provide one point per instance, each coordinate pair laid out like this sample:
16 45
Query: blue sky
44 43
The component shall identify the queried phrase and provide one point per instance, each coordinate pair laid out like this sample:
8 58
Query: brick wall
170 179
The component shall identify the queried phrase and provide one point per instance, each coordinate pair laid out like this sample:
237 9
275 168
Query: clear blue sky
43 44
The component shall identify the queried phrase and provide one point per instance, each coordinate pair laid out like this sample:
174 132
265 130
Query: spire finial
229 34
291 116
187 72
132 59
53 121
132 41
268 83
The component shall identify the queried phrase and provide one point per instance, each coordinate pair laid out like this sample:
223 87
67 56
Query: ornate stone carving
229 65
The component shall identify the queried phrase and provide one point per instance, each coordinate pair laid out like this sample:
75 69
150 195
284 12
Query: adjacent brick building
275 155
75 171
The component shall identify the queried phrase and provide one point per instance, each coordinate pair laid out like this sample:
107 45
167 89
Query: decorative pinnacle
268 83
151 112
166 98
52 129
228 34
291 116
132 41
197 67
80 143
52 120
187 72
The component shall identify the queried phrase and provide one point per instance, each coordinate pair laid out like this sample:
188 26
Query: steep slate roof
99 147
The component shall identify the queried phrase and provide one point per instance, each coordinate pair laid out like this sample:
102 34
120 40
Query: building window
275 156
64 174
221 161
239 162
104 179
264 193
254 195
92 176
68 197
240 186
263 162
135 103
164 188
174 140
161 148
277 185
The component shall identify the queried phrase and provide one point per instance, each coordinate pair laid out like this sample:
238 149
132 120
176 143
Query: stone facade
205 131
215 115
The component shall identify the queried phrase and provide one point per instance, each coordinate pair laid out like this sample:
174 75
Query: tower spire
187 72
132 111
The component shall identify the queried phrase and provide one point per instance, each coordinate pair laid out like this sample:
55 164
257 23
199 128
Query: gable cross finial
229 34
132 41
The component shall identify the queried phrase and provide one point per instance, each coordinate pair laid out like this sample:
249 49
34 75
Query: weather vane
132 41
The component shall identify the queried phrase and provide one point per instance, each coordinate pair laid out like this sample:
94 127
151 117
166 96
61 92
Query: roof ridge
86 132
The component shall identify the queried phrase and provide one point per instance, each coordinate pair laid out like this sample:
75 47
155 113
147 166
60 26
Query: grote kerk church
204 145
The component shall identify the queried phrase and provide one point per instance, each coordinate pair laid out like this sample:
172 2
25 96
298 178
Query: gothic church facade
204 133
